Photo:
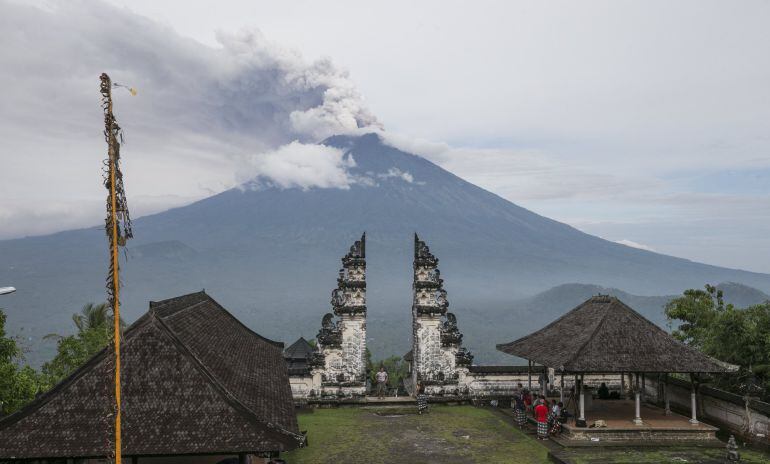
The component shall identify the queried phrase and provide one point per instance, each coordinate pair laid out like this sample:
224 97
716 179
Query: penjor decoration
118 228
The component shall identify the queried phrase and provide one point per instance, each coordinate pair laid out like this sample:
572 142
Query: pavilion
605 336
297 357
198 387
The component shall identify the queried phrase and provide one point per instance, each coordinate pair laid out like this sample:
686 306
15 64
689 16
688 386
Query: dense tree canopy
94 331
18 383
739 336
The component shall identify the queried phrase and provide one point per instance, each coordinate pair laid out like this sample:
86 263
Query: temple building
337 365
198 386
605 341
438 359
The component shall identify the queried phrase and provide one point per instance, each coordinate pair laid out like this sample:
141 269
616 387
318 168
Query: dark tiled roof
195 380
605 335
296 357
300 349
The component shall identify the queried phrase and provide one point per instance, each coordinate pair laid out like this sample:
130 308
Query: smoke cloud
200 114
298 165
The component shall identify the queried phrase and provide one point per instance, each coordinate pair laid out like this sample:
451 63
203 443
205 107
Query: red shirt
541 413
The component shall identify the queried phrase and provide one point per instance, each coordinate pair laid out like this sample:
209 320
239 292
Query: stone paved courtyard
457 435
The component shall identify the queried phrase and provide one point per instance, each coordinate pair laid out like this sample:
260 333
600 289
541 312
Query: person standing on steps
382 382
422 399
541 416
519 408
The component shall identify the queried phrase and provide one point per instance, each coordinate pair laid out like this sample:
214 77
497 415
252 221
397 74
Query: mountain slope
271 255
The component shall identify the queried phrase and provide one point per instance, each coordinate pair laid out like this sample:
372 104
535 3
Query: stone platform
657 429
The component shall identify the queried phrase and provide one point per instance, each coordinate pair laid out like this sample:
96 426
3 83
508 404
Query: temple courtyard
460 435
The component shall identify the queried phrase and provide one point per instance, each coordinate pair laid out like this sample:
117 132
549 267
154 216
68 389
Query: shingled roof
297 356
605 335
300 349
195 381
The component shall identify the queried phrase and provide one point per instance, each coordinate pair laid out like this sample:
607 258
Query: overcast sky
644 122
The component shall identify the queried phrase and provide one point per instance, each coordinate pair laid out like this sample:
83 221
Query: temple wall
301 386
717 407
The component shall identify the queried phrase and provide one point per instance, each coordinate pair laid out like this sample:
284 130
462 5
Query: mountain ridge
271 254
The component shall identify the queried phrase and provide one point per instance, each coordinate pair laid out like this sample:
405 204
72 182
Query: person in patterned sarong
554 419
541 416
519 408
422 398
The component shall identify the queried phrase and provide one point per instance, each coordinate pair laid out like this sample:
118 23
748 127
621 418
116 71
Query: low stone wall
750 421
639 435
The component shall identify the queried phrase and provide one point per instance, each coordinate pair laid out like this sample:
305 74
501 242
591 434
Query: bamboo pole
117 215
116 275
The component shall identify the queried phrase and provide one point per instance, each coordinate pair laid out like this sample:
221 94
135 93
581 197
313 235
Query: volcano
271 254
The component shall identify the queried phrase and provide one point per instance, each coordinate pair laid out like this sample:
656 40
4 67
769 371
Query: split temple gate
336 367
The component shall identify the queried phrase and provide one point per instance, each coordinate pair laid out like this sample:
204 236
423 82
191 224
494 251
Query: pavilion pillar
561 389
529 376
622 385
693 401
644 388
666 401
582 401
637 400
544 382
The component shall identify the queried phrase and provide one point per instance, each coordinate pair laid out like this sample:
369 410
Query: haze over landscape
270 253
252 169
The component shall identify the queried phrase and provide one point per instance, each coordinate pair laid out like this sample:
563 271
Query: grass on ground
460 435
447 435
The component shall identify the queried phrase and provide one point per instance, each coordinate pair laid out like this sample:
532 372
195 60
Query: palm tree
91 316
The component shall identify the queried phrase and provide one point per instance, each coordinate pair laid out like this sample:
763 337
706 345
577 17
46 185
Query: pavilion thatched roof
195 380
298 350
605 335
297 357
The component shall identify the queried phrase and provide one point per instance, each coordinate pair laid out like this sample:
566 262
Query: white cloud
298 165
633 244
397 173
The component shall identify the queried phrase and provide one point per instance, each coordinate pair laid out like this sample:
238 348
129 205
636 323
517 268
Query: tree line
740 336
20 383
699 318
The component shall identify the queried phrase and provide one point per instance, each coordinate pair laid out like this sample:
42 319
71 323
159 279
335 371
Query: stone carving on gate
338 364
438 357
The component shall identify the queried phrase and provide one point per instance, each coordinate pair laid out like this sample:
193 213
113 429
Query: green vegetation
94 331
19 383
395 366
449 434
739 336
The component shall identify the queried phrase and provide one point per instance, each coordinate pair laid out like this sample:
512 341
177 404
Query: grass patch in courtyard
460 435
447 435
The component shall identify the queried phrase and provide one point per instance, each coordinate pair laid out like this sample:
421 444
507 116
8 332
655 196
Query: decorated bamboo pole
117 215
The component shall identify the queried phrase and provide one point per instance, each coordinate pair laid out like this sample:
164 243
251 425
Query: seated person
604 392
